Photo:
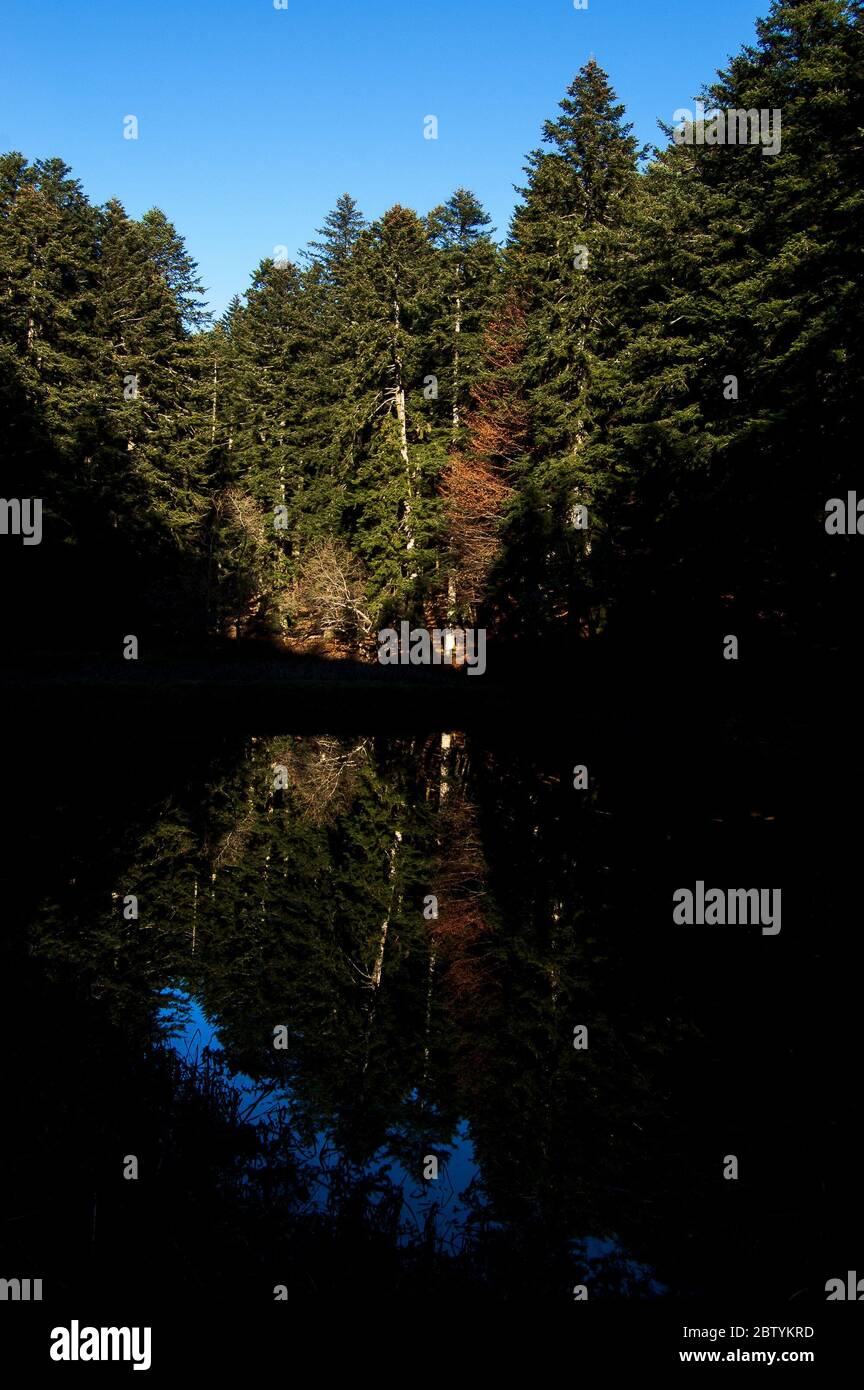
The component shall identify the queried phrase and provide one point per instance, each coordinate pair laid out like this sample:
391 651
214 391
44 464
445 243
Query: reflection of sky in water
188 1030
598 1252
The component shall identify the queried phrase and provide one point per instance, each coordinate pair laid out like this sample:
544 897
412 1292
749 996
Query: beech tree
480 478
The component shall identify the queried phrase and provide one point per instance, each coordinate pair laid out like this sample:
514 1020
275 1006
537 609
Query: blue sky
253 120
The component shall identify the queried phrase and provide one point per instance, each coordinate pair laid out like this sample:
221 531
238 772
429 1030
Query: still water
414 1010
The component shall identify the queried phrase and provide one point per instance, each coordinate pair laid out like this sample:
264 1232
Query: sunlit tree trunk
402 419
457 328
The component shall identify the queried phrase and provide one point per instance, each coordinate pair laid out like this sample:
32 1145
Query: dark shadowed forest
306 908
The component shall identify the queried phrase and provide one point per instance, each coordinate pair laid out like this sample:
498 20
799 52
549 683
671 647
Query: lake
413 1009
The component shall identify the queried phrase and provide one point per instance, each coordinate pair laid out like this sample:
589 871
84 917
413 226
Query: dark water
283 888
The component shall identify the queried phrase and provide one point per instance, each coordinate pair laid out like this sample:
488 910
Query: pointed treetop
459 222
168 252
338 237
593 159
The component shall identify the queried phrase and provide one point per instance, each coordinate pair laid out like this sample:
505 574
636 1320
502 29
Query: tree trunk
444 777
451 599
429 983
457 331
385 925
401 416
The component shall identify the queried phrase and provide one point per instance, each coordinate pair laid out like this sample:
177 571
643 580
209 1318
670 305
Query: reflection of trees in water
523 933
302 906
322 772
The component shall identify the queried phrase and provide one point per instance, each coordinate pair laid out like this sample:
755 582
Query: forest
622 424
329 976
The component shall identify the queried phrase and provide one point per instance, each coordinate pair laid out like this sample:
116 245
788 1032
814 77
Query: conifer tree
730 410
565 248
394 303
338 238
271 339
328 262
634 417
469 264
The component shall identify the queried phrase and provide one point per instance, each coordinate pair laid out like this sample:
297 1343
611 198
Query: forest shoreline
671 691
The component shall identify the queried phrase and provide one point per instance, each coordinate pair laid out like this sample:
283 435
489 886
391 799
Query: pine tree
634 418
179 271
48 361
48 245
796 308
470 265
338 238
262 501
149 465
735 391
331 368
390 459
565 250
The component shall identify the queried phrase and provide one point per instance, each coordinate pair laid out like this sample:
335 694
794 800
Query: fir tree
390 458
564 253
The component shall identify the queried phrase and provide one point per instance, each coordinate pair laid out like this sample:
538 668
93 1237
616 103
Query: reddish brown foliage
476 484
462 935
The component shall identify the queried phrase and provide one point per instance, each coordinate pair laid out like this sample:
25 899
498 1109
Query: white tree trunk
377 968
457 331
429 983
402 418
444 777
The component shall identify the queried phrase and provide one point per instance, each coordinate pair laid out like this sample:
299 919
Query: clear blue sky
253 120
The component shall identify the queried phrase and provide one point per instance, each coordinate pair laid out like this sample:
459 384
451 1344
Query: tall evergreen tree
261 504
338 237
470 264
732 406
565 249
394 302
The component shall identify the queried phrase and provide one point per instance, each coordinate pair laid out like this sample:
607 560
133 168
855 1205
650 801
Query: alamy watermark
22 516
446 646
78 1343
21 1290
732 127
720 907
844 517
852 1289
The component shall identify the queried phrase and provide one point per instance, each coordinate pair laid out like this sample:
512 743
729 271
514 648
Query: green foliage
688 368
